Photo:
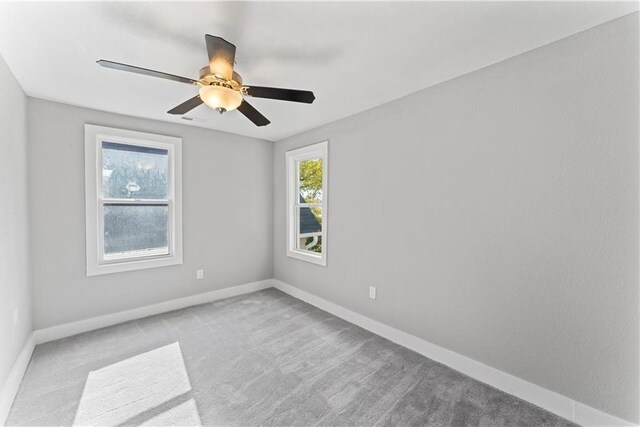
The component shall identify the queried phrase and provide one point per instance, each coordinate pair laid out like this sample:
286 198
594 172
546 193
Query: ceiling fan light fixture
220 87
220 97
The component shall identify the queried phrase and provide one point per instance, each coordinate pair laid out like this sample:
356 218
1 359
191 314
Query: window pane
135 231
309 220
134 172
310 180
310 229
310 244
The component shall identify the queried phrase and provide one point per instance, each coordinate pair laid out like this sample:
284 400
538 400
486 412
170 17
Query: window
133 200
307 203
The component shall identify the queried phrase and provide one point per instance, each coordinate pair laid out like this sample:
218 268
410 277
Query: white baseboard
551 401
10 388
539 396
68 329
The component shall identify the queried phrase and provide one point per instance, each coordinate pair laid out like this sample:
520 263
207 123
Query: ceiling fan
220 87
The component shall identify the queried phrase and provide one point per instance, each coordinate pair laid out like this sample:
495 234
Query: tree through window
307 202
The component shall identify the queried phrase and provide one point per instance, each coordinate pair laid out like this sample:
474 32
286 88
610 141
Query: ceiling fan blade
186 106
222 56
144 71
292 95
253 114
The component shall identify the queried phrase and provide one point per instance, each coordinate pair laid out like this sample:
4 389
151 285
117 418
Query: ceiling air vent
193 119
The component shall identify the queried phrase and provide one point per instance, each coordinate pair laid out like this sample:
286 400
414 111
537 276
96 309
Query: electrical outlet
199 274
15 317
372 292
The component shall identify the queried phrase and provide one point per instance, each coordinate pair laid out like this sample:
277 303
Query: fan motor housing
205 75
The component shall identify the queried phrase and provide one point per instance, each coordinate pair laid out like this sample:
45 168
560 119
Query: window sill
132 265
308 257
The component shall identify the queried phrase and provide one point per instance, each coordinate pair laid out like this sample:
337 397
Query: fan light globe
220 97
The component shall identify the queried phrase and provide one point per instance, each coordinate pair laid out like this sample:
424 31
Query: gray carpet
258 359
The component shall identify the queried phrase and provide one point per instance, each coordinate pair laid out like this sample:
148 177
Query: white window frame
314 151
96 262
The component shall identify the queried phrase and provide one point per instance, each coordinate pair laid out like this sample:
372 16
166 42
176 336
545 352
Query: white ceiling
354 55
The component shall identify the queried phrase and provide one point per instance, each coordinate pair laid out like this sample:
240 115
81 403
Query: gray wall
15 290
497 214
227 216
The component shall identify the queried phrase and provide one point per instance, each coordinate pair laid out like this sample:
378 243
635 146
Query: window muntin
133 195
307 176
